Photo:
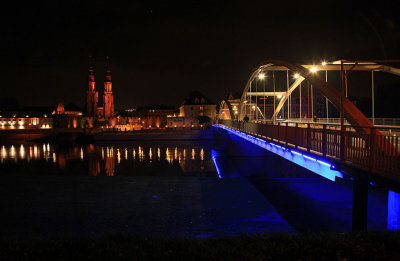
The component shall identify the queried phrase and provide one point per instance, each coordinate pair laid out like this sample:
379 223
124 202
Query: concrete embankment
28 135
156 135
71 135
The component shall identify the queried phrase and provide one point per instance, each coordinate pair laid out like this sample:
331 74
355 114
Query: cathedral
102 110
97 113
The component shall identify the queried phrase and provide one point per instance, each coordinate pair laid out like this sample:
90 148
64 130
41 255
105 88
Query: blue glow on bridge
320 167
393 217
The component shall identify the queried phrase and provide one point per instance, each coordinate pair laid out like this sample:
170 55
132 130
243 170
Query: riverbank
30 135
155 135
72 135
323 246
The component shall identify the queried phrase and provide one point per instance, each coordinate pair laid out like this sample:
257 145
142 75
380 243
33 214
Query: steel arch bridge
248 106
358 144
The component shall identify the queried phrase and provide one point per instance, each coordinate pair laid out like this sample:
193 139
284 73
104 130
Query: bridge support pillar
360 204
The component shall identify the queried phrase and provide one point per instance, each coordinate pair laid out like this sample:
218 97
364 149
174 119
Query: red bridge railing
379 153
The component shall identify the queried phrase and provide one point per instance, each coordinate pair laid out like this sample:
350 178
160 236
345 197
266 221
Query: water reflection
110 159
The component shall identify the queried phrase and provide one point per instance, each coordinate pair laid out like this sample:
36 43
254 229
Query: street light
261 76
326 99
296 76
313 70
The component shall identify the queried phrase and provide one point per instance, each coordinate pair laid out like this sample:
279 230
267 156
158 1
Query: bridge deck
372 152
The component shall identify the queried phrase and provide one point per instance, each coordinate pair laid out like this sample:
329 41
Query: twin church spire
105 108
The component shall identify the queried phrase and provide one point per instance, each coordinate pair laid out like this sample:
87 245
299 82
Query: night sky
162 50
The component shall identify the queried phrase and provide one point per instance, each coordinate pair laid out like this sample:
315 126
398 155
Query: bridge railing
378 121
372 151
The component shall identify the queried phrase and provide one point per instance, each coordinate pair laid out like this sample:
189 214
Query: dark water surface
171 188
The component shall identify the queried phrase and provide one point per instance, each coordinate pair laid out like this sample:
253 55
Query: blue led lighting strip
320 167
217 167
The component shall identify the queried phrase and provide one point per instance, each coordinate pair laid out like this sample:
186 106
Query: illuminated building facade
149 117
97 112
94 109
92 98
195 111
26 122
26 118
69 116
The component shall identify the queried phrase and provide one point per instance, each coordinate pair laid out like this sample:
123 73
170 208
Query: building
195 111
155 116
70 116
26 118
148 117
97 112
100 112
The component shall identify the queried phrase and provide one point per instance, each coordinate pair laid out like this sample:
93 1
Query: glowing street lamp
312 70
296 76
261 76
326 99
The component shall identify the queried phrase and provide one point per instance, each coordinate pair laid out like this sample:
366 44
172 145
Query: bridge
274 108
302 124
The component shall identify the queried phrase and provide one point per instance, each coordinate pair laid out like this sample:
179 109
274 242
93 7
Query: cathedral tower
108 97
91 95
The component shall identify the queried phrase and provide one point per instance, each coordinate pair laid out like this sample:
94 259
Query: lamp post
326 99
250 99
297 76
313 70
341 112
273 85
255 107
289 97
261 76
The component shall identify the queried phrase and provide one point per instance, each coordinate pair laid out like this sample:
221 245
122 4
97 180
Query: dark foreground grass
324 246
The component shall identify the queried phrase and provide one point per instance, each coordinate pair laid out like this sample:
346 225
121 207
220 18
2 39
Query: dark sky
162 50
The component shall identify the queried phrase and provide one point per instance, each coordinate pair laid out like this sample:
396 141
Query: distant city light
296 75
279 96
323 63
313 69
261 76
